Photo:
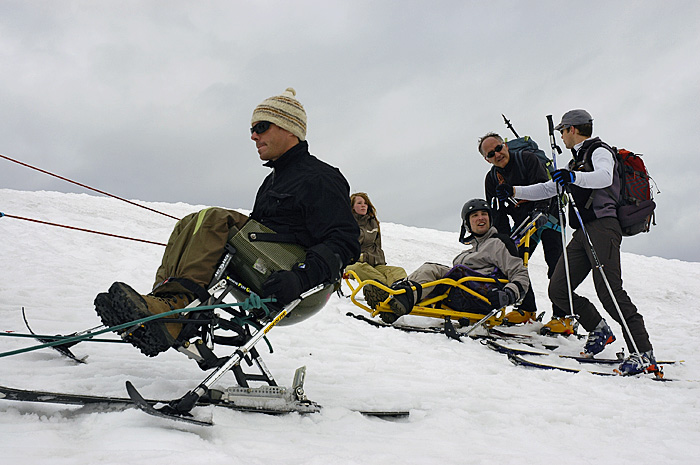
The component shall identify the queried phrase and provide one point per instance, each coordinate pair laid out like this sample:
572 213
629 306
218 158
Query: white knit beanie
283 110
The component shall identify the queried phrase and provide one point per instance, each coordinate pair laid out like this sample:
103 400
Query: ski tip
130 387
163 412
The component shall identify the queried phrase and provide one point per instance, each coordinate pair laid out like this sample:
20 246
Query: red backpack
636 208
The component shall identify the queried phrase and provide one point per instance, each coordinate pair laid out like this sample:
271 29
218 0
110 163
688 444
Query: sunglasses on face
260 127
563 130
495 150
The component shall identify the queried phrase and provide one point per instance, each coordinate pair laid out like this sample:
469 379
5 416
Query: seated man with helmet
489 254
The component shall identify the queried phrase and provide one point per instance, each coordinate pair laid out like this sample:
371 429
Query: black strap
189 285
272 237
419 292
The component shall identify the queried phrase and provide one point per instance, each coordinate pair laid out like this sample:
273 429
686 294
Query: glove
504 191
501 298
284 285
563 177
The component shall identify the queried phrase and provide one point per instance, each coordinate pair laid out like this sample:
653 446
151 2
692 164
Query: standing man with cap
304 201
594 182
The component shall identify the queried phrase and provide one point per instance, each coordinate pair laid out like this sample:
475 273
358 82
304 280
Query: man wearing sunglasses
592 178
304 201
524 168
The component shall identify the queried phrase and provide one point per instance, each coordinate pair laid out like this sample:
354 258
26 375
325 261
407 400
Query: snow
468 404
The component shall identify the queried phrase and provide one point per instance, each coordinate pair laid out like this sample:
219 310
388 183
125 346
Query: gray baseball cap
574 118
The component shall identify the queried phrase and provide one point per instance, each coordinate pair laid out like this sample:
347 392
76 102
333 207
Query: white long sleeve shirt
600 178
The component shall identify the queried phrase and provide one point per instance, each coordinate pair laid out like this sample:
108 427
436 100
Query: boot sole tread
149 338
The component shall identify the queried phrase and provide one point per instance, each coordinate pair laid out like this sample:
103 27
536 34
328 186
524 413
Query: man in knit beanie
278 124
283 110
303 201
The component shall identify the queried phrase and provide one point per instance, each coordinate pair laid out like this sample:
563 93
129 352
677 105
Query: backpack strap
518 158
492 174
617 166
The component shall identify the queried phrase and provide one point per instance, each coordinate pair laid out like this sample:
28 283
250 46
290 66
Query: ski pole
556 150
599 266
510 126
481 322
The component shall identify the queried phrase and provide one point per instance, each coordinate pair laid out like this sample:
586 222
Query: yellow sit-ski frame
431 307
426 307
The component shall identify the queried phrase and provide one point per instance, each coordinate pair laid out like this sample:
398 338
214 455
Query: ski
63 349
538 336
520 360
491 333
400 327
508 350
162 412
215 397
505 349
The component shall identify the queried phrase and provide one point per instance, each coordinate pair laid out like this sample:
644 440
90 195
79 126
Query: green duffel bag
257 256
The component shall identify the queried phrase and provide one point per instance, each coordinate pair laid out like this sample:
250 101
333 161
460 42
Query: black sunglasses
495 150
260 127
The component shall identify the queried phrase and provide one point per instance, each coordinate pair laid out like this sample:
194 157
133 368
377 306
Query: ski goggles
495 150
260 127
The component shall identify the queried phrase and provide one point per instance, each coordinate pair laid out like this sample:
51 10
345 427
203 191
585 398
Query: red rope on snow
85 186
80 229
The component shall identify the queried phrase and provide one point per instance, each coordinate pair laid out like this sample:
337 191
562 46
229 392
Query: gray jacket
489 252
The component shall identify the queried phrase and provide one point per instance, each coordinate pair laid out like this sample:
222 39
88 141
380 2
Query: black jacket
307 202
523 169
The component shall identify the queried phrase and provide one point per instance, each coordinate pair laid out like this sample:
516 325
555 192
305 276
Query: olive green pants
196 246
384 274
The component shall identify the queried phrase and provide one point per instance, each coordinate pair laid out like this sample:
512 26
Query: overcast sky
152 100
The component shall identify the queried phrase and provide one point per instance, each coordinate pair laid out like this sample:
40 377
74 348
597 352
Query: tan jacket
370 240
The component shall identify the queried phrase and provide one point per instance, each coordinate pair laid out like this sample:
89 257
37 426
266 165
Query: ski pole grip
551 124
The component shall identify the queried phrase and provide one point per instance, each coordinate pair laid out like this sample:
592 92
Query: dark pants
606 237
551 243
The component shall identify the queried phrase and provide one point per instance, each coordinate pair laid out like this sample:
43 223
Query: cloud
152 100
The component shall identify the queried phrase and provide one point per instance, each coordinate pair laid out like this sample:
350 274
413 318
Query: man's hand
285 286
501 298
504 191
563 177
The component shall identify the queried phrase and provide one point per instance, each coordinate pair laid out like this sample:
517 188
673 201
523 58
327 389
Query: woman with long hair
372 263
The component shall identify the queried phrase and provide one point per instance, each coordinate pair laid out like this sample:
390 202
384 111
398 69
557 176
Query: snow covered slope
468 404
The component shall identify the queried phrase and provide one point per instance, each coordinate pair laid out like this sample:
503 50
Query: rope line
81 229
86 186
130 324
